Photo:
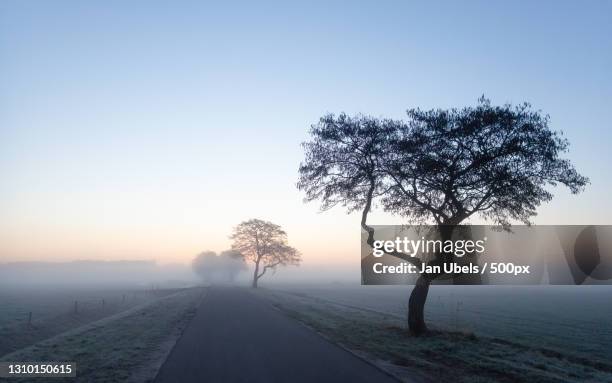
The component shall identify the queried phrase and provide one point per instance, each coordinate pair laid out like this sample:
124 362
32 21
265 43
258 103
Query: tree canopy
439 166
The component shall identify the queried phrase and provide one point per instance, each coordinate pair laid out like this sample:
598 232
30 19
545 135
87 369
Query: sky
148 130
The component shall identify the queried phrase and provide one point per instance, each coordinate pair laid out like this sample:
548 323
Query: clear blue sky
147 129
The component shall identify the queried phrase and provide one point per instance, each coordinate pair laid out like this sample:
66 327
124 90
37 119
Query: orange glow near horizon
175 233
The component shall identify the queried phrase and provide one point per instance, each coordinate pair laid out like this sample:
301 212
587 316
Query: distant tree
219 268
265 244
204 265
231 264
441 167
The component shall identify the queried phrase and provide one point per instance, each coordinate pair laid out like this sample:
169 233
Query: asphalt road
238 337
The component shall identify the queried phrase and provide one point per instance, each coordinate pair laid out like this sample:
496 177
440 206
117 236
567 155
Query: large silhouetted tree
265 244
441 167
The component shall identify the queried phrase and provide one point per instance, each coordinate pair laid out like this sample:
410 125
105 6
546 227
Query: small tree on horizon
440 167
265 245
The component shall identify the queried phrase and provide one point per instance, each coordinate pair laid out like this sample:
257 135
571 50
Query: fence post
76 307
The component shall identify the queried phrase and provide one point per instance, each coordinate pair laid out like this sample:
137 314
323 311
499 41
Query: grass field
55 310
125 347
569 319
495 334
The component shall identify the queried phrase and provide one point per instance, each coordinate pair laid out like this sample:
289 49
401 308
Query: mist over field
527 312
93 274
147 273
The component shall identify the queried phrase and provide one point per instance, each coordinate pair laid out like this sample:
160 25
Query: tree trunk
418 297
416 306
256 274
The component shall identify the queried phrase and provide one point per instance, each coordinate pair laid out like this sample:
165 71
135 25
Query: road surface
236 336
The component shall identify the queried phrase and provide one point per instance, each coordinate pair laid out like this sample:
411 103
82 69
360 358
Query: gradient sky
147 130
